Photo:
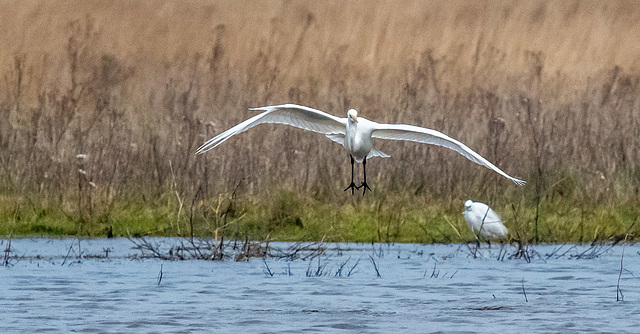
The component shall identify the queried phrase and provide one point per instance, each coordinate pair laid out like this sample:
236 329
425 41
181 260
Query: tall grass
549 91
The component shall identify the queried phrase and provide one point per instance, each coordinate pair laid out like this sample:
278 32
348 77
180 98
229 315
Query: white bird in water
482 220
353 132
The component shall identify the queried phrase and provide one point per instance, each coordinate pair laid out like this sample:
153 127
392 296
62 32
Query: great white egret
482 220
353 132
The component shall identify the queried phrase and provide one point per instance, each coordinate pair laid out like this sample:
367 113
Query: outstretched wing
290 114
428 136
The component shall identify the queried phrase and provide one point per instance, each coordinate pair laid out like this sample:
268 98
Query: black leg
364 183
352 186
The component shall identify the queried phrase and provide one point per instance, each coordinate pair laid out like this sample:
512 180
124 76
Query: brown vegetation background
547 90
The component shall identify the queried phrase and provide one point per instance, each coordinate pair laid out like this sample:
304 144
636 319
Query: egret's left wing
433 137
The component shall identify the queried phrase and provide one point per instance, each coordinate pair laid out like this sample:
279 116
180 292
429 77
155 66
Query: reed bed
104 103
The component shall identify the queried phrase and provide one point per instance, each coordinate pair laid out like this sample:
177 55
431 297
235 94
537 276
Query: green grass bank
285 215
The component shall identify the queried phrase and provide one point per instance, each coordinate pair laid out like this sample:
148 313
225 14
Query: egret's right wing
290 114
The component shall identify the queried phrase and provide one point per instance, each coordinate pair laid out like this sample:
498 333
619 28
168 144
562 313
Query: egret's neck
352 126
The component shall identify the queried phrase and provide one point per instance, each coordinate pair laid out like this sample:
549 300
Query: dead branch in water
7 259
375 266
593 252
201 249
320 270
301 250
79 254
188 248
619 294
351 271
7 251
265 269
340 267
143 245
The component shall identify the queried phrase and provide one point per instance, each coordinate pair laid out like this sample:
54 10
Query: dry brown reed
548 90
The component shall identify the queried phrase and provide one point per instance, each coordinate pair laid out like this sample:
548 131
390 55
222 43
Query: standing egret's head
467 204
352 114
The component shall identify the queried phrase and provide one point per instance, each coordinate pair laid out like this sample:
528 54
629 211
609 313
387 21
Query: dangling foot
365 186
364 183
353 187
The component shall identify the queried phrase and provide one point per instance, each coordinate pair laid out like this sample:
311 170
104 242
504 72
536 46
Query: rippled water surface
422 288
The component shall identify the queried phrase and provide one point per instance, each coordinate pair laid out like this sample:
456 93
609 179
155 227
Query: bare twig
433 272
454 273
619 294
7 251
375 266
300 250
353 268
340 267
318 271
555 250
266 270
67 256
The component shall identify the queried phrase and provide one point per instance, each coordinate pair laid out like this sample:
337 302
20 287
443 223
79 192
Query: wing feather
433 137
289 114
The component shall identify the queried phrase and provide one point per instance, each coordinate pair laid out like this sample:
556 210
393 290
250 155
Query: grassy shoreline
288 216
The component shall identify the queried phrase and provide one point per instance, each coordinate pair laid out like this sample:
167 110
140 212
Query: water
120 293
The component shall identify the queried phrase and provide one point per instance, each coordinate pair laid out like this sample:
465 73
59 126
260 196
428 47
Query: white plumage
482 220
353 132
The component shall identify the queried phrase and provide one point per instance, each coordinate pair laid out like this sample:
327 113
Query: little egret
353 132
482 220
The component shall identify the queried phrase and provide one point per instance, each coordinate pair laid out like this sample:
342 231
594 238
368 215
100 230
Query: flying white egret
353 132
482 220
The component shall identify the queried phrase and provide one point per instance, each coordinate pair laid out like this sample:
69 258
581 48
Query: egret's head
352 115
467 204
